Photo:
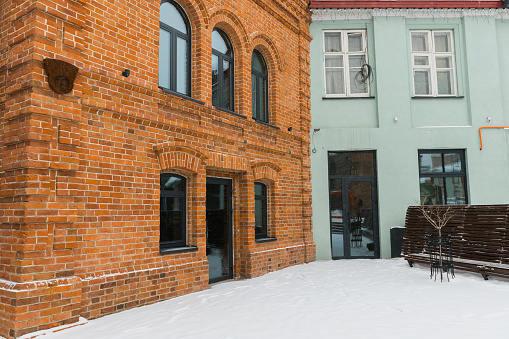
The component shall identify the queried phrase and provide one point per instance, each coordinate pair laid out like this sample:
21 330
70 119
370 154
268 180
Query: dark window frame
259 80
174 33
220 80
183 227
444 174
264 205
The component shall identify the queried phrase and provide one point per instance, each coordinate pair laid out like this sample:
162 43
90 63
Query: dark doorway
353 205
219 229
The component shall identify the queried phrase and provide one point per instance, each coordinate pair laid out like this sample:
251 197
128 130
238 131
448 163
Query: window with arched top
172 211
259 87
261 218
174 49
222 70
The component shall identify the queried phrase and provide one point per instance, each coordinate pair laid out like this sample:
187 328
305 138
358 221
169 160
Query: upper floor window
261 229
433 64
346 67
172 211
259 87
222 70
174 49
442 177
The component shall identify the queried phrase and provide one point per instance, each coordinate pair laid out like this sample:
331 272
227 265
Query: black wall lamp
126 73
290 129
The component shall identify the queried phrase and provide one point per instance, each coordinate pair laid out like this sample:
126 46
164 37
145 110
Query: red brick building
178 155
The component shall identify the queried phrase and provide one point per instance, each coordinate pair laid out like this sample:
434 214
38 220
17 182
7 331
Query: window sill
231 112
265 239
177 249
440 97
266 123
180 95
341 98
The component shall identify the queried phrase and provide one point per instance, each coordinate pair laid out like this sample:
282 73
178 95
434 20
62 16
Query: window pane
356 60
263 100
444 82
336 215
334 81
444 62
332 42
432 191
164 58
254 97
452 162
420 42
221 43
260 210
421 61
455 190
354 42
333 61
172 17
443 42
357 85
421 82
258 63
172 217
351 163
172 183
431 162
215 78
226 85
181 66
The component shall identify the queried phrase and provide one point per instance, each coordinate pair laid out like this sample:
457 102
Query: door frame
345 181
229 184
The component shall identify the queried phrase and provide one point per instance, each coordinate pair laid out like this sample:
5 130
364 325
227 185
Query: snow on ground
326 299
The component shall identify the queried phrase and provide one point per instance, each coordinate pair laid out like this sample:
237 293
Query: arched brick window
222 70
259 87
174 49
173 211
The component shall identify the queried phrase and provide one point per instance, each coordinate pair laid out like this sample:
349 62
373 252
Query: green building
398 98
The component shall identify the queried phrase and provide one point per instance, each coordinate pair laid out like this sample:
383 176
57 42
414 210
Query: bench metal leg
484 275
411 263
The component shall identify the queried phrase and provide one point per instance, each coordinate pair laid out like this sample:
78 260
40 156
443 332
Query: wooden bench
479 234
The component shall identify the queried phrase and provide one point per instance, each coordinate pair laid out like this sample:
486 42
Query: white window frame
346 66
431 54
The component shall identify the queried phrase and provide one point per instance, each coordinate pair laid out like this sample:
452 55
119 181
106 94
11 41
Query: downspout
497 127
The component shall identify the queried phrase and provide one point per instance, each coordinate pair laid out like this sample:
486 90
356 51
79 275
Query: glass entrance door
353 205
219 229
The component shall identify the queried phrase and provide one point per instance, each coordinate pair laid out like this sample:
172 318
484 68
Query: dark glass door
353 205
219 229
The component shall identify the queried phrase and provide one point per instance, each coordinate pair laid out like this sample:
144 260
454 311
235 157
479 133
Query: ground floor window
260 210
172 211
442 177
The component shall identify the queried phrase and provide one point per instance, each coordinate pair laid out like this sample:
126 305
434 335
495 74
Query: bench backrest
478 232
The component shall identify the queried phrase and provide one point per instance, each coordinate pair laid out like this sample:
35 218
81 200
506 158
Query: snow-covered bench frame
479 233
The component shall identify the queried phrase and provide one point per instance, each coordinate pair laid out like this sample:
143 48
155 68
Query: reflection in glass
351 163
336 215
226 85
217 205
172 210
260 210
182 66
172 17
215 83
164 58
360 207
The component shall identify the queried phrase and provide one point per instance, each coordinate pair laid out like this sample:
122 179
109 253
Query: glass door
353 205
219 229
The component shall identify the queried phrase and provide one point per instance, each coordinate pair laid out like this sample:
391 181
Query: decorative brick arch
266 46
265 171
232 25
174 156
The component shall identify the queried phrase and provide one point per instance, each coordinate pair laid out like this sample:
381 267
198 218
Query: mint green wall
482 64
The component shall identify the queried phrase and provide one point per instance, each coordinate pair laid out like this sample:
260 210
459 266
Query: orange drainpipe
498 127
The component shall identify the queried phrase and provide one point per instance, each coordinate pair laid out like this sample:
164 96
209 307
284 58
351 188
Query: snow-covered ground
369 299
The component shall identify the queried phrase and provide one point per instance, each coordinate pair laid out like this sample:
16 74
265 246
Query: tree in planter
438 216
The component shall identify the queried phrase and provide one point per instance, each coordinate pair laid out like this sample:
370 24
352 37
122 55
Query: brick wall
80 172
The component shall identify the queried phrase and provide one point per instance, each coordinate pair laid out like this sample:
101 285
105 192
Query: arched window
174 49
173 211
222 70
259 87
